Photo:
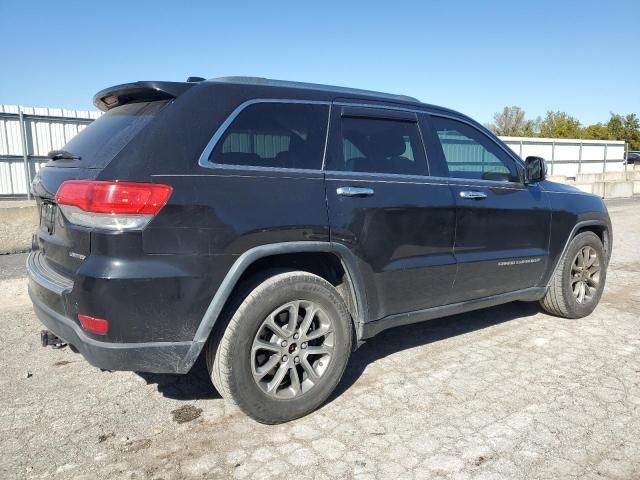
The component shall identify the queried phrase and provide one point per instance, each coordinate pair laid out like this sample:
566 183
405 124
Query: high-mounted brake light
111 205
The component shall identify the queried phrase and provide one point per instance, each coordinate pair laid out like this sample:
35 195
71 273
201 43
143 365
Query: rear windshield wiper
62 155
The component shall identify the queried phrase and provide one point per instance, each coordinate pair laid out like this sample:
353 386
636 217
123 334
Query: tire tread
219 353
555 299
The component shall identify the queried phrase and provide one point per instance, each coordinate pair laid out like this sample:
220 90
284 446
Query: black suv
272 226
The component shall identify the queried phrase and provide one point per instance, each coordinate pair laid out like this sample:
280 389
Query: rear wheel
578 282
284 348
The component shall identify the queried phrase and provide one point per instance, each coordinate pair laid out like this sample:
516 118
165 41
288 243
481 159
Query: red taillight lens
94 325
126 198
111 205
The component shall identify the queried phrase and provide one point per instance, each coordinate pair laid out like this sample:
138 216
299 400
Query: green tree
510 121
597 131
531 128
625 128
632 131
615 126
560 125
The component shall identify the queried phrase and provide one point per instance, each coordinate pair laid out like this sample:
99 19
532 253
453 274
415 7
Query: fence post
25 152
8 152
626 164
580 159
553 155
604 164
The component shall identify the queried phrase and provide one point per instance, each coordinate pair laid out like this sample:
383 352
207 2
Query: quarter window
380 146
283 135
471 154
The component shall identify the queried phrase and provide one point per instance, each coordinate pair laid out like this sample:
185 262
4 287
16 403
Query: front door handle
354 191
473 194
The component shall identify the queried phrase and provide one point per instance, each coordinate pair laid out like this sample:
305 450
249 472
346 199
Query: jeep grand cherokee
272 226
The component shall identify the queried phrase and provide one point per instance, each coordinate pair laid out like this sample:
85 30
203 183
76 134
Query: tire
235 356
560 298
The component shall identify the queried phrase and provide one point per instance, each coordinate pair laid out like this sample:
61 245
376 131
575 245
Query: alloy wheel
585 274
292 349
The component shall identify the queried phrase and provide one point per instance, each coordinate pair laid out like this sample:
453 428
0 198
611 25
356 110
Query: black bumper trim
153 357
45 276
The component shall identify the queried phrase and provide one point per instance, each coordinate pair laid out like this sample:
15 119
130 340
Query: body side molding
246 259
373 328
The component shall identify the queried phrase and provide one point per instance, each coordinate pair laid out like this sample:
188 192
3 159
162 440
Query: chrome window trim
257 168
432 180
397 177
480 183
429 111
203 161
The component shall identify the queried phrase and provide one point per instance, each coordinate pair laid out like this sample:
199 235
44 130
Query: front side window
281 135
471 154
375 145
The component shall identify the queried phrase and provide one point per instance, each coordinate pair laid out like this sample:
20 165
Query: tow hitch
49 339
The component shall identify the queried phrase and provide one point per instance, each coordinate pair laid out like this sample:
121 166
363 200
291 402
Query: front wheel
578 282
284 348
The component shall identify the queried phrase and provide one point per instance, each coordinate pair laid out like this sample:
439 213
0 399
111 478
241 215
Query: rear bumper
48 293
155 357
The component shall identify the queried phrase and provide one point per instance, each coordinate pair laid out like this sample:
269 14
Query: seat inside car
383 153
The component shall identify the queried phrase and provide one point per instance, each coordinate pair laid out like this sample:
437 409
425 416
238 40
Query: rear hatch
61 245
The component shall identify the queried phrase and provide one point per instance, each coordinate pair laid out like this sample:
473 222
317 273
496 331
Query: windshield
101 140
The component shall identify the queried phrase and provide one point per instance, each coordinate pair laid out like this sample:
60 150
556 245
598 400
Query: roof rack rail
311 86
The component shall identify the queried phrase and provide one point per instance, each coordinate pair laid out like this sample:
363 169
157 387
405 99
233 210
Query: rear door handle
473 194
354 191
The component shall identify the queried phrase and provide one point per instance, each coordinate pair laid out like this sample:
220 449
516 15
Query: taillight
111 205
93 324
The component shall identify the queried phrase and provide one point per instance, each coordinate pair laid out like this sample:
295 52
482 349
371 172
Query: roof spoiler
138 92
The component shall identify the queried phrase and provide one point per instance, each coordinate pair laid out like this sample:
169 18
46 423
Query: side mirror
535 169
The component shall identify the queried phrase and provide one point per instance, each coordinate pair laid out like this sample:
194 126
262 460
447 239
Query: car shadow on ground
410 336
196 385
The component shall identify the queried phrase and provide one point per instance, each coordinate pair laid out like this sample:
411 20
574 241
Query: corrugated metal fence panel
46 129
569 157
465 155
11 139
267 146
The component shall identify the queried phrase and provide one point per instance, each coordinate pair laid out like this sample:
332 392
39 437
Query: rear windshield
103 138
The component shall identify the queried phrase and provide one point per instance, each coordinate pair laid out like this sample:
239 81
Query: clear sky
582 57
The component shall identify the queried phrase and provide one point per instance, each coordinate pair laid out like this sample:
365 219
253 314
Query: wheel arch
305 256
601 228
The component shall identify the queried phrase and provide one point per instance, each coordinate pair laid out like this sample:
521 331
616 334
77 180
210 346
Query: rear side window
470 154
282 135
101 141
375 145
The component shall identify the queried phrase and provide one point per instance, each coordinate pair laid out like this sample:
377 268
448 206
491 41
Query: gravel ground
507 392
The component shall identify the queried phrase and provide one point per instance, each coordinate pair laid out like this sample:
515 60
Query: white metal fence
27 134
571 157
